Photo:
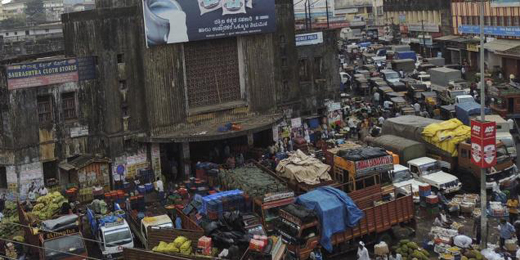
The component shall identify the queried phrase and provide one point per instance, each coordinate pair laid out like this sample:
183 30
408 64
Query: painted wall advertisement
177 21
483 143
491 30
504 3
50 72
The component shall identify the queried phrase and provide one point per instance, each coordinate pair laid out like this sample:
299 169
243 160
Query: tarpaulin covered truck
456 155
406 149
314 222
357 163
59 237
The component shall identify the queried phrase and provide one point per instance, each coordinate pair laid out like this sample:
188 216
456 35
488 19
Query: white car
428 170
403 180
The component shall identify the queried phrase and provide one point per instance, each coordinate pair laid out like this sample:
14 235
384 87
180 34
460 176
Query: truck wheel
386 237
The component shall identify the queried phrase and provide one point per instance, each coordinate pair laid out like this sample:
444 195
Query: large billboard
177 21
491 30
44 73
504 3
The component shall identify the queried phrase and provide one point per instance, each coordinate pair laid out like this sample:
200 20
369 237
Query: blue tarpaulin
467 109
335 209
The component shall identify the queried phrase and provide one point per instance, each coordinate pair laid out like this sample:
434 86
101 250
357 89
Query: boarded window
44 109
212 72
68 101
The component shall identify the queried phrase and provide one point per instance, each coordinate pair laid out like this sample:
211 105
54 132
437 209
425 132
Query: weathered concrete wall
318 88
30 45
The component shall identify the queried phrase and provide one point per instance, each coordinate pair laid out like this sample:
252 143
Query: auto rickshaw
407 111
398 86
448 112
399 103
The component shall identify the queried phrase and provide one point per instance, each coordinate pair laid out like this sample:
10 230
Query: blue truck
111 230
399 55
466 110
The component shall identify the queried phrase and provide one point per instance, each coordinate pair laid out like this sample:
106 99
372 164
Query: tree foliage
35 12
12 22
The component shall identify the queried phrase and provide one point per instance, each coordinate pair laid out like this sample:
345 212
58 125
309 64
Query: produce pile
472 255
180 245
411 251
7 230
48 206
252 180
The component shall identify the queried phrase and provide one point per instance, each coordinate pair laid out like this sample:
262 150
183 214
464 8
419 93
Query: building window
6 34
486 20
122 85
464 20
508 21
120 58
15 33
500 21
303 66
44 109
318 68
285 86
3 178
46 30
516 21
68 101
476 20
494 21
27 33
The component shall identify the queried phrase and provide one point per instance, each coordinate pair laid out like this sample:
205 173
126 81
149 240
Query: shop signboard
427 27
491 30
45 73
178 21
483 143
504 3
472 47
309 38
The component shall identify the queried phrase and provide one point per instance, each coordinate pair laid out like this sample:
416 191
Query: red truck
303 236
65 242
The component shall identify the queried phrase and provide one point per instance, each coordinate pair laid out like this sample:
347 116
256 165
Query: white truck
112 231
464 98
429 170
403 181
503 134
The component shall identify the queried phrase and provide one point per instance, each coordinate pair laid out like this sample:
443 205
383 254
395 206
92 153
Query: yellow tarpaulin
447 135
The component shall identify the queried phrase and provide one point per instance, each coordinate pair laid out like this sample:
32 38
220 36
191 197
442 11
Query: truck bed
379 219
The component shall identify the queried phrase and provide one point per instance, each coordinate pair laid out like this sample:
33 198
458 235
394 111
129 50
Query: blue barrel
141 189
149 187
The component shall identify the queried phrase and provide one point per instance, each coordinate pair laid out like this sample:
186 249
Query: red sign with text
483 143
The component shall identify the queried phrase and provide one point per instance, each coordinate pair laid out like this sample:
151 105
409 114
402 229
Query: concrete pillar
186 162
250 140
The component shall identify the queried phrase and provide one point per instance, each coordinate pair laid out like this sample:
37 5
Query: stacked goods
303 169
180 245
7 229
496 209
432 204
466 202
410 250
48 206
252 180
446 135
213 206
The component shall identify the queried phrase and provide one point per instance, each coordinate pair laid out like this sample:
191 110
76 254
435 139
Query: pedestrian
43 191
477 230
2 202
377 97
463 72
362 252
381 120
462 241
417 107
512 206
507 231
159 187
353 127
401 73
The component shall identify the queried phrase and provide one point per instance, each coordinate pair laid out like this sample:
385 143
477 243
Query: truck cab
425 79
428 170
464 98
390 76
403 181
267 208
112 231
161 221
55 248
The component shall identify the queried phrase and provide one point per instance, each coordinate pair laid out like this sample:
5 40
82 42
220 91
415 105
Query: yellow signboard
472 47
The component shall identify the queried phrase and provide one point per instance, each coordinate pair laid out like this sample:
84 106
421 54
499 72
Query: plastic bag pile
49 205
447 135
180 245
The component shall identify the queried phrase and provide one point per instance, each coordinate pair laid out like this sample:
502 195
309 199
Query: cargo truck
411 127
139 221
57 238
303 235
111 230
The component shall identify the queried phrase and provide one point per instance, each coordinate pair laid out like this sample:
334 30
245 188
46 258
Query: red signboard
483 143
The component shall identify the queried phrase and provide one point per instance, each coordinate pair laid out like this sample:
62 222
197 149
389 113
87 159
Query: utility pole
483 198
327 8
424 39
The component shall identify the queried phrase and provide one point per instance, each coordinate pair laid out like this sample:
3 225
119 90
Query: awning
81 161
446 38
501 45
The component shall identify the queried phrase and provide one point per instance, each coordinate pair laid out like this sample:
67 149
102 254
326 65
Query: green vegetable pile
7 230
472 255
410 251
252 180
49 205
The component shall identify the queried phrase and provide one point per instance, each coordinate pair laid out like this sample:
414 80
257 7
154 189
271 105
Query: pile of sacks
48 206
180 245
410 250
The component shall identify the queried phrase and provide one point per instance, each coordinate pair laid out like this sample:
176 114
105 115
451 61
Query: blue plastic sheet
336 211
